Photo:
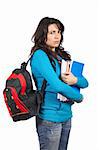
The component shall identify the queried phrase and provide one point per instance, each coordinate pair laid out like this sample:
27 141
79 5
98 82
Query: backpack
22 101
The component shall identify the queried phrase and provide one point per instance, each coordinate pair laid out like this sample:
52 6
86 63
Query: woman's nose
57 35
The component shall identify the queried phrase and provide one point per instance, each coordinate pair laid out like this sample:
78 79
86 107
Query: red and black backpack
21 100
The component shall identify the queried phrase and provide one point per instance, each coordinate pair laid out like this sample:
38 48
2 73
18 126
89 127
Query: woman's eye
52 32
59 31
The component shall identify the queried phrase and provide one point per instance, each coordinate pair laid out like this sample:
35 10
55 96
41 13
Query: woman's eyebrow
54 30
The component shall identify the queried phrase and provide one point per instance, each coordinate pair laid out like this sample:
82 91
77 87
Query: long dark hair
40 36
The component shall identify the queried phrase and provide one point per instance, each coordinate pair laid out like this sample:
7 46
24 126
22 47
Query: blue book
77 69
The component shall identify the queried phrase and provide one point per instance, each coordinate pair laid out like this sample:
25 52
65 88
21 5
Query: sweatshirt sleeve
42 64
82 82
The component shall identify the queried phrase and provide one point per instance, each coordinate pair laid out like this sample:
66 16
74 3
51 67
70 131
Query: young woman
54 121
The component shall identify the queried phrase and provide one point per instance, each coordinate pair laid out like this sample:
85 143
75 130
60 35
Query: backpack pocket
13 103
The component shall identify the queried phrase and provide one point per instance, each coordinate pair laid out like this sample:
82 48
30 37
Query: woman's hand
69 78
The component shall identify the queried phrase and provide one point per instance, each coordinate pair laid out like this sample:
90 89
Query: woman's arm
81 82
41 62
70 79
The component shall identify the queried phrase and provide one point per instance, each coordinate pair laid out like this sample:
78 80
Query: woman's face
53 36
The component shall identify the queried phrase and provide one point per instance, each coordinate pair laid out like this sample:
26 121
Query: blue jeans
52 135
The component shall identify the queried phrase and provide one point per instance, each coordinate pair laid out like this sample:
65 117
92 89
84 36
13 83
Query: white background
18 21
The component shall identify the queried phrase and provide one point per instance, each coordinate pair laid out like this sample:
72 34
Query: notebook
77 69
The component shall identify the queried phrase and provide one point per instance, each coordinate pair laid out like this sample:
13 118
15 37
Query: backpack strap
24 65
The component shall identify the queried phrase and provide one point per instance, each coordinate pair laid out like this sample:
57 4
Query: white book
65 67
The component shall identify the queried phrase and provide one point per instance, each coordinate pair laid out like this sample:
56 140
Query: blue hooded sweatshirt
52 108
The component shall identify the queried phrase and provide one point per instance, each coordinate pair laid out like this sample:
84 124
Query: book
76 68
